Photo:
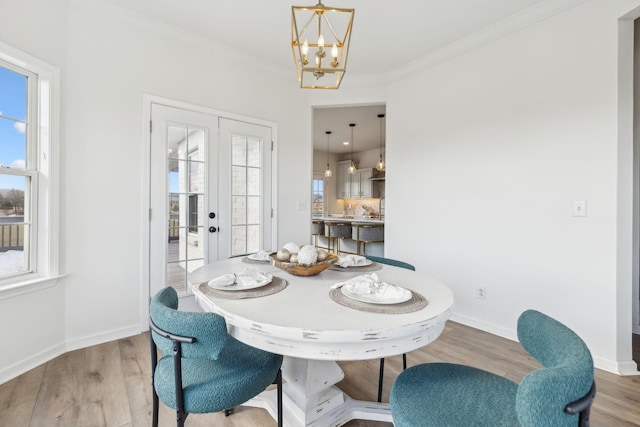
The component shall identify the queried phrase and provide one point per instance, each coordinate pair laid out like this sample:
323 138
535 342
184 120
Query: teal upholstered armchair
203 369
395 263
557 395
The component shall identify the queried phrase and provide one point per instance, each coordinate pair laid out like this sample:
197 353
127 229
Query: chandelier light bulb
380 165
334 51
305 48
320 43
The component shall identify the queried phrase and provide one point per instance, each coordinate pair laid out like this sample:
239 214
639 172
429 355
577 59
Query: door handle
212 229
212 215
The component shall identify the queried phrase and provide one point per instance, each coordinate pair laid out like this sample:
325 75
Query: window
318 196
193 213
28 226
246 194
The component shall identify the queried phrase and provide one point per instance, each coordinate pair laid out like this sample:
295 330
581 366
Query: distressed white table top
303 321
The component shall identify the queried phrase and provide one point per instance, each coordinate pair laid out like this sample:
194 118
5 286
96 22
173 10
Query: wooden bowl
303 270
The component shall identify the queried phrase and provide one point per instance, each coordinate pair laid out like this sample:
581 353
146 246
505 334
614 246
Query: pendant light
328 173
315 32
380 166
352 166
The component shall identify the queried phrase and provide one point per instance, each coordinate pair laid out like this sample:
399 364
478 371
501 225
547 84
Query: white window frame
45 100
319 176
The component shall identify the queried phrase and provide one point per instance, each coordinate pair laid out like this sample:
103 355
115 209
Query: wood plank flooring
109 385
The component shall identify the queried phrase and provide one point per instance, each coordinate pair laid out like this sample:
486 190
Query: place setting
354 263
368 293
248 283
260 257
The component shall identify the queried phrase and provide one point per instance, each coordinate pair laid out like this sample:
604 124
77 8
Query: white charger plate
241 286
254 257
362 264
348 291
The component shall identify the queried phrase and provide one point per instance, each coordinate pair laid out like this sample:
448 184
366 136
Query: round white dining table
312 331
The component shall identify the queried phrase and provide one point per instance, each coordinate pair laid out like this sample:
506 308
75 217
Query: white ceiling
386 34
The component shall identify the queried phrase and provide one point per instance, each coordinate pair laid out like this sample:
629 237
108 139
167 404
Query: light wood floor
109 385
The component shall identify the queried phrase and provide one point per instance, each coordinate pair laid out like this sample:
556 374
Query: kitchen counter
350 218
366 235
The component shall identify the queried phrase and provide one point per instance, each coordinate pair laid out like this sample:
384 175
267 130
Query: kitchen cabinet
353 186
343 180
361 185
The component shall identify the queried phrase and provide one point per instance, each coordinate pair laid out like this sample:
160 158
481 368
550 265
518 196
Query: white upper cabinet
353 186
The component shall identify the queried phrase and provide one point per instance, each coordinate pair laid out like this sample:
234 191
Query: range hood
379 176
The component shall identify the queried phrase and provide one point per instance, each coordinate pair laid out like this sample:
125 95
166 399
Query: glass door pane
246 166
185 202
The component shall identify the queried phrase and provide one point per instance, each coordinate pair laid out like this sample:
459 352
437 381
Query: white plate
254 257
365 263
242 286
347 290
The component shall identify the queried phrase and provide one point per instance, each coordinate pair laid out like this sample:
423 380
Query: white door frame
147 100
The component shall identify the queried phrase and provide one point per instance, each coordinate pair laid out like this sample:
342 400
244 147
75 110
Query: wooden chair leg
404 360
380 380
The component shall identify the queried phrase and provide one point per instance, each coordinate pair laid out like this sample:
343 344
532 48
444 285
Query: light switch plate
578 208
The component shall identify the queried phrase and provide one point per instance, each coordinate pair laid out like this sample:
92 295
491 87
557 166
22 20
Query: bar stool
366 232
335 231
317 229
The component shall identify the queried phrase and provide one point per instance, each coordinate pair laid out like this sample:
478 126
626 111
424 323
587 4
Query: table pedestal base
311 398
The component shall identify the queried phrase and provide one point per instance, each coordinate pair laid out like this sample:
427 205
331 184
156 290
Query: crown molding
509 25
185 38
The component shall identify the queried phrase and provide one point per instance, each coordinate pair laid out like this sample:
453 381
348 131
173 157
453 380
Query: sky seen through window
13 113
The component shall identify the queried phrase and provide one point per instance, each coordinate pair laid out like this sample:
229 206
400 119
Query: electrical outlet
481 293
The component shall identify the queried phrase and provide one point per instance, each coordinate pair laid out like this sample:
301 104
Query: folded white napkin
370 284
246 277
351 261
261 255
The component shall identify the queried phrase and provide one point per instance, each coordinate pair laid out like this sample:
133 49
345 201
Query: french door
210 192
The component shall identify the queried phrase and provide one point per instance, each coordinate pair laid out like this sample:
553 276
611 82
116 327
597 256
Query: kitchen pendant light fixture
328 173
380 165
352 166
308 42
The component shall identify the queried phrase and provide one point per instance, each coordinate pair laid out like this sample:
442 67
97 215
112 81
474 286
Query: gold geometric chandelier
314 31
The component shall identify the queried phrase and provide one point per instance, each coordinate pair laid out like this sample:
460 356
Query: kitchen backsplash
360 207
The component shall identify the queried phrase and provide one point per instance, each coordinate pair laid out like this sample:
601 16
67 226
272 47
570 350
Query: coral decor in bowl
304 270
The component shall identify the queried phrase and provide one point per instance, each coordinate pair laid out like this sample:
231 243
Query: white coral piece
292 247
307 255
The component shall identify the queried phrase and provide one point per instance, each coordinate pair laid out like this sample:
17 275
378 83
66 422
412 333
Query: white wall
497 140
33 324
107 65
111 64
500 140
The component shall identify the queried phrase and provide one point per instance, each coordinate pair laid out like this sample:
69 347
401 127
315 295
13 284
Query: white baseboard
487 327
19 368
115 334
627 368
52 352
615 367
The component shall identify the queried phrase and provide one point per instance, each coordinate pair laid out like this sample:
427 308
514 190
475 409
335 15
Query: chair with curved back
395 263
557 395
202 368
